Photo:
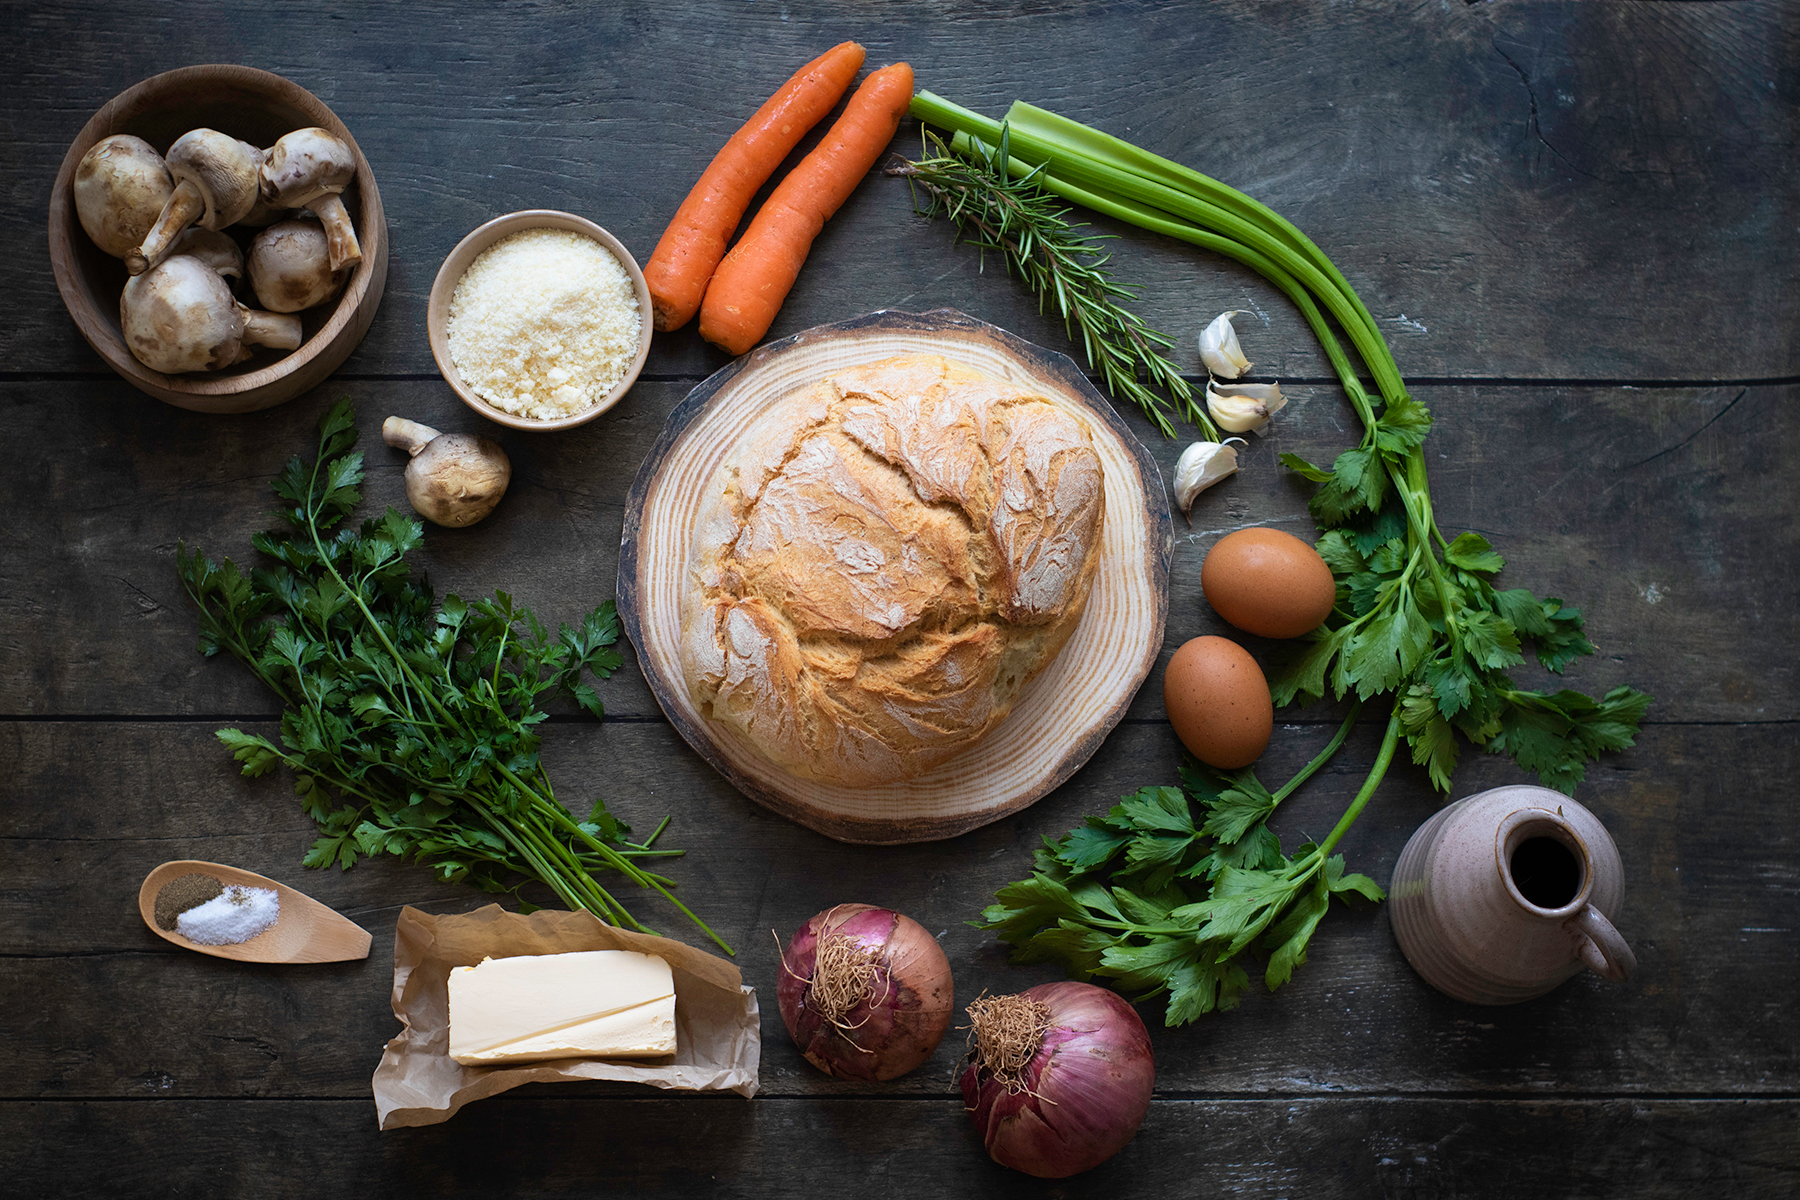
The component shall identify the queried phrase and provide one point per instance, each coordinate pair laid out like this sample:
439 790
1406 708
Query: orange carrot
696 238
748 287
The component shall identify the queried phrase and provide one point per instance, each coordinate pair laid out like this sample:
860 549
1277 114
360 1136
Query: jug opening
1546 872
1543 861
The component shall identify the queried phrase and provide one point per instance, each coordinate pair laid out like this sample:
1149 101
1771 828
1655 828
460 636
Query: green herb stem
1384 758
1062 265
1322 757
1417 616
384 711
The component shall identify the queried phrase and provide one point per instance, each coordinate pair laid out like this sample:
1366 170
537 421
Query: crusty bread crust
888 559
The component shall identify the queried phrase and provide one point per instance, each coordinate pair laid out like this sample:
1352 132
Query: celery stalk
1241 228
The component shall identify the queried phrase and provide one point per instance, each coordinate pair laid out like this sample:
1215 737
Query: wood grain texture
1342 1149
1061 716
1491 177
258 107
1579 227
1711 917
1668 516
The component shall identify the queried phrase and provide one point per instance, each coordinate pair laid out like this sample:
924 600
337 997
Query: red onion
1059 1079
865 992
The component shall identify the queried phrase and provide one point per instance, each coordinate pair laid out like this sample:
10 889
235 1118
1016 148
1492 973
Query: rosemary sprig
1061 263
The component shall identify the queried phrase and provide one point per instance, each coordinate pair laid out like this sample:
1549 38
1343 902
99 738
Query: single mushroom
180 316
310 168
454 479
216 178
290 267
121 185
216 250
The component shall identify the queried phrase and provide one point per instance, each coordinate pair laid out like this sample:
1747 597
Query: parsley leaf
1130 919
1172 889
419 717
1416 618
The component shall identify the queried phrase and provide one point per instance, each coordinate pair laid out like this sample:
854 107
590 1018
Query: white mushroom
121 185
180 316
216 250
454 479
216 178
290 267
310 168
262 213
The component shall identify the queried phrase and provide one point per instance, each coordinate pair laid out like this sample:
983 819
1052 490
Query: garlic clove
1219 348
1243 407
1200 466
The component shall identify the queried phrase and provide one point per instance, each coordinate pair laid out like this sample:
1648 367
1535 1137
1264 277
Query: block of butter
588 1004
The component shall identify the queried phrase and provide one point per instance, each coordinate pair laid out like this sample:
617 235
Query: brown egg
1268 583
1218 702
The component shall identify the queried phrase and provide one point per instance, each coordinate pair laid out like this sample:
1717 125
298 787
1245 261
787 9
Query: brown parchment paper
718 1034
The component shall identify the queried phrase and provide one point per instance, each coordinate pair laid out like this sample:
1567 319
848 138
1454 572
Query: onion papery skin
1084 1095
900 1026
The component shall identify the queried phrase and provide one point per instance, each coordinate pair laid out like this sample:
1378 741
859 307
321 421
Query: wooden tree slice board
1061 716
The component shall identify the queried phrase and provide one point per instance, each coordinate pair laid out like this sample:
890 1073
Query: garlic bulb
1219 348
1243 407
1201 465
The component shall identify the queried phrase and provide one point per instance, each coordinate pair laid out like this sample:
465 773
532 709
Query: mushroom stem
279 330
340 235
310 168
185 205
263 214
180 316
215 249
452 479
406 435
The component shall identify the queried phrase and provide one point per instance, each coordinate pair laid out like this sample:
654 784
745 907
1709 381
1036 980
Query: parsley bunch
1169 890
420 717
1419 616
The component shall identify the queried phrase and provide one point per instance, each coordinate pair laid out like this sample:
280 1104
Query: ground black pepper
182 893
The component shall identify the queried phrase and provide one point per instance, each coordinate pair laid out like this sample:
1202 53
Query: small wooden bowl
437 312
258 108
304 931
1061 716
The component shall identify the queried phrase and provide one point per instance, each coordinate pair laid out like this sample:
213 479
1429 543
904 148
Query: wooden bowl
1061 716
304 931
437 312
258 108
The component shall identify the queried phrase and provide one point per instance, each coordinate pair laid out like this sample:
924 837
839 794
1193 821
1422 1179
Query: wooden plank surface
1356 1018
1493 178
1579 226
649 1147
1648 510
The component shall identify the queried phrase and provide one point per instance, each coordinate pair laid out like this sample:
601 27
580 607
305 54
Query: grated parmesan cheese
544 323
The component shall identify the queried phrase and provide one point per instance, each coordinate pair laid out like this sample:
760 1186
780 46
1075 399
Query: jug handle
1602 948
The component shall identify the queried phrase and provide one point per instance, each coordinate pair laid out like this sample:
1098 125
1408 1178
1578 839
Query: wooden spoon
306 930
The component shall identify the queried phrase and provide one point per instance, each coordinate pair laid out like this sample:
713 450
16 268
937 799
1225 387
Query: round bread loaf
884 563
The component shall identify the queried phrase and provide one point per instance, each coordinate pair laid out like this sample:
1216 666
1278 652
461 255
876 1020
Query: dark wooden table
1577 225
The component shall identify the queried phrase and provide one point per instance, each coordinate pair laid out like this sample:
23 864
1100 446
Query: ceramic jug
1502 896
